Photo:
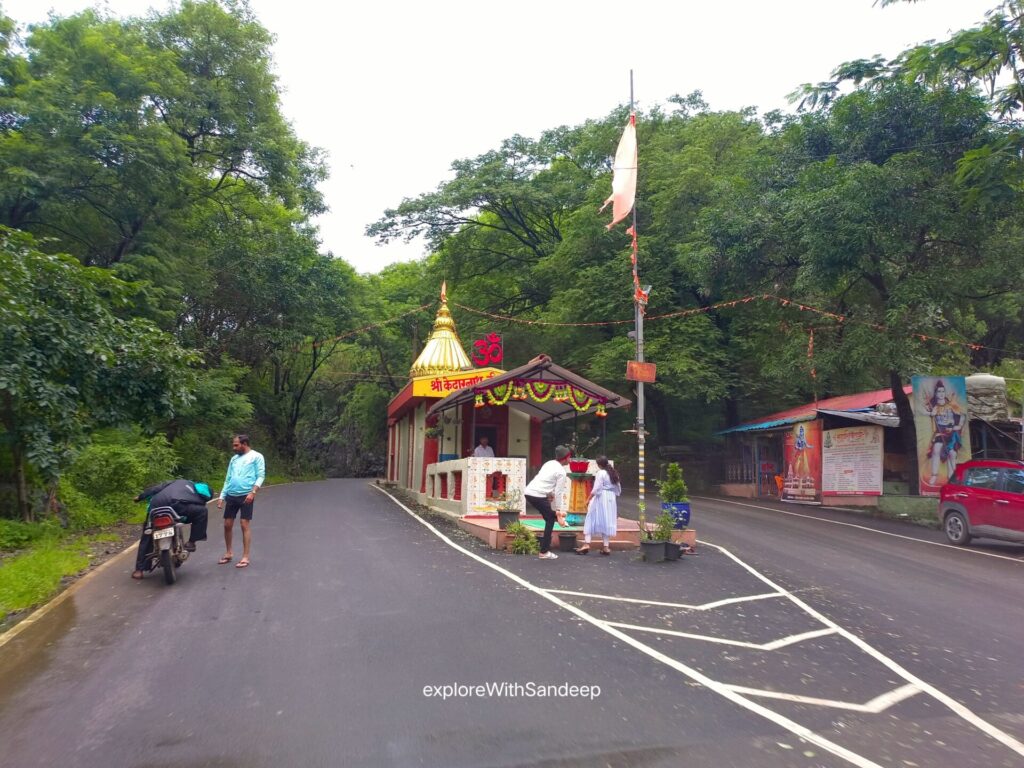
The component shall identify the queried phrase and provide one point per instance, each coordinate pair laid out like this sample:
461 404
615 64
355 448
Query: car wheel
956 529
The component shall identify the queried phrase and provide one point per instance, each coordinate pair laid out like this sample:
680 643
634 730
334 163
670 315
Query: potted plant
674 496
434 432
520 540
652 550
509 504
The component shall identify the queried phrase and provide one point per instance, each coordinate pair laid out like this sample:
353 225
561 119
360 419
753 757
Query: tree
863 216
70 363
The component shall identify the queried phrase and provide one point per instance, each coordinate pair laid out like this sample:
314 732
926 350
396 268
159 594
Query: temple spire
443 352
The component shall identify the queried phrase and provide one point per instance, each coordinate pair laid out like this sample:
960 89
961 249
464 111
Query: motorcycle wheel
168 565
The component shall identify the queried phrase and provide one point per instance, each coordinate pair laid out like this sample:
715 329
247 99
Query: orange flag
623 175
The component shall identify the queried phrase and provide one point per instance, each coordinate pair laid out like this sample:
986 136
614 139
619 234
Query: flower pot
673 551
653 551
680 511
566 542
505 519
579 465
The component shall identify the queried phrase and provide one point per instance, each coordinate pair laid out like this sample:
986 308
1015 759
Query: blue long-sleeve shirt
245 471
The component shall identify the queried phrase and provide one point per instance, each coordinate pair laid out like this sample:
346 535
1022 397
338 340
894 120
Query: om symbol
488 350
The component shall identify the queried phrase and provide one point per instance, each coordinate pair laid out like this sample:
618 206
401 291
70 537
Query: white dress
602 514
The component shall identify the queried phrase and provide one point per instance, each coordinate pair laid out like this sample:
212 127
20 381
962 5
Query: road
322 652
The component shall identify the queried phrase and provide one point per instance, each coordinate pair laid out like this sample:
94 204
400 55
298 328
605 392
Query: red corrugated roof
856 402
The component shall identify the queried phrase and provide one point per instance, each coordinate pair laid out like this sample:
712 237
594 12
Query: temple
449 404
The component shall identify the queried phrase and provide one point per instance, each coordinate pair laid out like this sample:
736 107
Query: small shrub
663 524
15 534
673 488
523 541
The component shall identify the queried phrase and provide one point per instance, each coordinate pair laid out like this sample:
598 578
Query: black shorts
234 504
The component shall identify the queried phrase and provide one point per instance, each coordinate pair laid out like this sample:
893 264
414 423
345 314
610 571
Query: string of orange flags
729 304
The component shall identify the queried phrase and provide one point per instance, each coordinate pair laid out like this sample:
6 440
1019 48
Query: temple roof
443 352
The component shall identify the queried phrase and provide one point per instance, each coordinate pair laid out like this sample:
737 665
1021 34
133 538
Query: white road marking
876 706
965 550
983 725
684 606
723 690
774 645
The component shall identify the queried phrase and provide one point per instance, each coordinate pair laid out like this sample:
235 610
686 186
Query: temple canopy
541 389
443 352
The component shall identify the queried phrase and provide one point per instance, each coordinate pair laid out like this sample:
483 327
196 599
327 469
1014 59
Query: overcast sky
394 91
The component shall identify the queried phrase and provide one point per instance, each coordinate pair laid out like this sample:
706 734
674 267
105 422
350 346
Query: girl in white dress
602 514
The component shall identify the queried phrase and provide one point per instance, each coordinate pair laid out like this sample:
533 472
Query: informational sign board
442 386
851 461
645 372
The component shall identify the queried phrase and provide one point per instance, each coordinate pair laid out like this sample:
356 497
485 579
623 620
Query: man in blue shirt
246 472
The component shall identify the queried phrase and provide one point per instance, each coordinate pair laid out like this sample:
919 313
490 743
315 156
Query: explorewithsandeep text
511 690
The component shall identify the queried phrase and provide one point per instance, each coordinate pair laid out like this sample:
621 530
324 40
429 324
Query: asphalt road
318 654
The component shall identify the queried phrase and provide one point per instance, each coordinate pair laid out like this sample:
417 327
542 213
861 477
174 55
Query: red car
984 498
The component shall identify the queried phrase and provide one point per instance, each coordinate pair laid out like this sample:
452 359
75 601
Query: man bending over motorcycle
185 497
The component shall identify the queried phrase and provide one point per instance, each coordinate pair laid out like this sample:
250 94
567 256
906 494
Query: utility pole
639 302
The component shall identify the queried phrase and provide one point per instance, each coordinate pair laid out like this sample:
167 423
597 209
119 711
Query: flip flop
242 564
225 559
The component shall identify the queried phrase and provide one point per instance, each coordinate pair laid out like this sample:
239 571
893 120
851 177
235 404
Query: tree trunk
20 482
908 433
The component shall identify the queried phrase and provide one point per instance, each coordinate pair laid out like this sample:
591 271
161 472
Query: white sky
394 91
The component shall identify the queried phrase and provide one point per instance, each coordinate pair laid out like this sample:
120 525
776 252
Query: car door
1008 511
978 495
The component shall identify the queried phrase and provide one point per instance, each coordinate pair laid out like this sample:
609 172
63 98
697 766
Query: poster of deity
943 435
802 477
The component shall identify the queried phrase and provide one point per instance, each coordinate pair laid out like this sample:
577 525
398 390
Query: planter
505 519
566 542
579 465
680 511
653 551
673 551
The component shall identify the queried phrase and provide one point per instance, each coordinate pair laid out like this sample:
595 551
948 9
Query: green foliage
69 363
31 578
522 540
663 525
15 534
101 482
673 487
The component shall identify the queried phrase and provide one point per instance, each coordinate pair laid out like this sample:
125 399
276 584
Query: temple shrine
438 418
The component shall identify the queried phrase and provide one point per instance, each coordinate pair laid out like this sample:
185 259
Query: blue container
680 511
448 457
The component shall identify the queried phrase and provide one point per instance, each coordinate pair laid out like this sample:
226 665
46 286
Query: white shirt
548 480
483 452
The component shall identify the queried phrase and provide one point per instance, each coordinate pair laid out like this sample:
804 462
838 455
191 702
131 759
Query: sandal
605 551
225 559
585 549
243 563
136 575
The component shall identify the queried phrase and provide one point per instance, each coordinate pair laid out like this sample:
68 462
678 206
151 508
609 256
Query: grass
31 578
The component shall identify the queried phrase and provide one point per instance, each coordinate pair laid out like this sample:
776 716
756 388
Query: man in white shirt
484 450
544 489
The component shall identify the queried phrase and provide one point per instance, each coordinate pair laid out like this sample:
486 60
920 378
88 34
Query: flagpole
639 328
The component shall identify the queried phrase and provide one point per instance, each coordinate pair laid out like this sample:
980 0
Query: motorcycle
168 551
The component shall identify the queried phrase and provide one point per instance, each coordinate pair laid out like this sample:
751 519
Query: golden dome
443 353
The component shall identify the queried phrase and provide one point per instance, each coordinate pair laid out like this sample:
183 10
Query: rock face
986 397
